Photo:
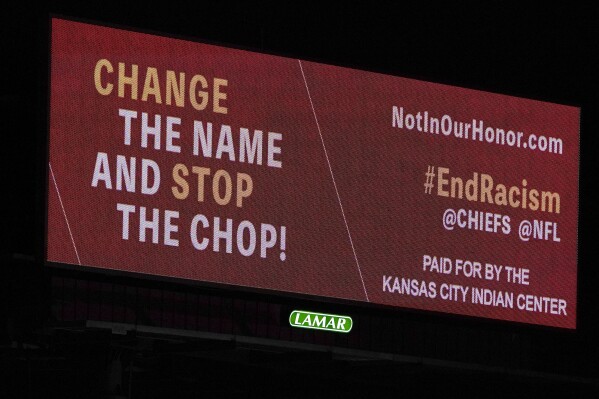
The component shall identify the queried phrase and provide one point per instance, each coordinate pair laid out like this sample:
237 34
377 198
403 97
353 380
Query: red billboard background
352 197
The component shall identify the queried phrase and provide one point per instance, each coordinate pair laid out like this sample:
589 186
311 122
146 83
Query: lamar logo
320 321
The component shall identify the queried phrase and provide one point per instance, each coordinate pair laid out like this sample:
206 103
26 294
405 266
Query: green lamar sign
320 321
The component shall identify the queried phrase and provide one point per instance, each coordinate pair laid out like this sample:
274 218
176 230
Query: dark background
66 333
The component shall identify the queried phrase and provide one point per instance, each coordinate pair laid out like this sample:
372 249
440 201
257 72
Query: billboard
181 159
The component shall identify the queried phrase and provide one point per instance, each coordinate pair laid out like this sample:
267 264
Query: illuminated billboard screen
175 158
